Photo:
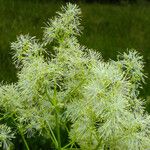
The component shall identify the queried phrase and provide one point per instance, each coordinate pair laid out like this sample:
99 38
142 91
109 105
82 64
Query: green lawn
109 29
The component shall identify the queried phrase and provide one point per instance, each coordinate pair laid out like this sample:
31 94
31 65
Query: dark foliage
103 1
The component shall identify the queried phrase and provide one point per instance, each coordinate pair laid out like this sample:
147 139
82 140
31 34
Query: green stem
23 138
57 116
58 130
52 135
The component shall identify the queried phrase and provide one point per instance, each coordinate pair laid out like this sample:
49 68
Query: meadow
110 29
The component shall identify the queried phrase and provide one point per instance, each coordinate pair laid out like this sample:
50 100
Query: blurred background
110 27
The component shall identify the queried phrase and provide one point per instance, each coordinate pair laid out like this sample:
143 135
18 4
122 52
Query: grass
108 28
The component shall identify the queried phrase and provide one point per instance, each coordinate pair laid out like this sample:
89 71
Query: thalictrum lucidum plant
73 89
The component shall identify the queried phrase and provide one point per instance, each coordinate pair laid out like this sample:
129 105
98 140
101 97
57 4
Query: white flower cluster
96 102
